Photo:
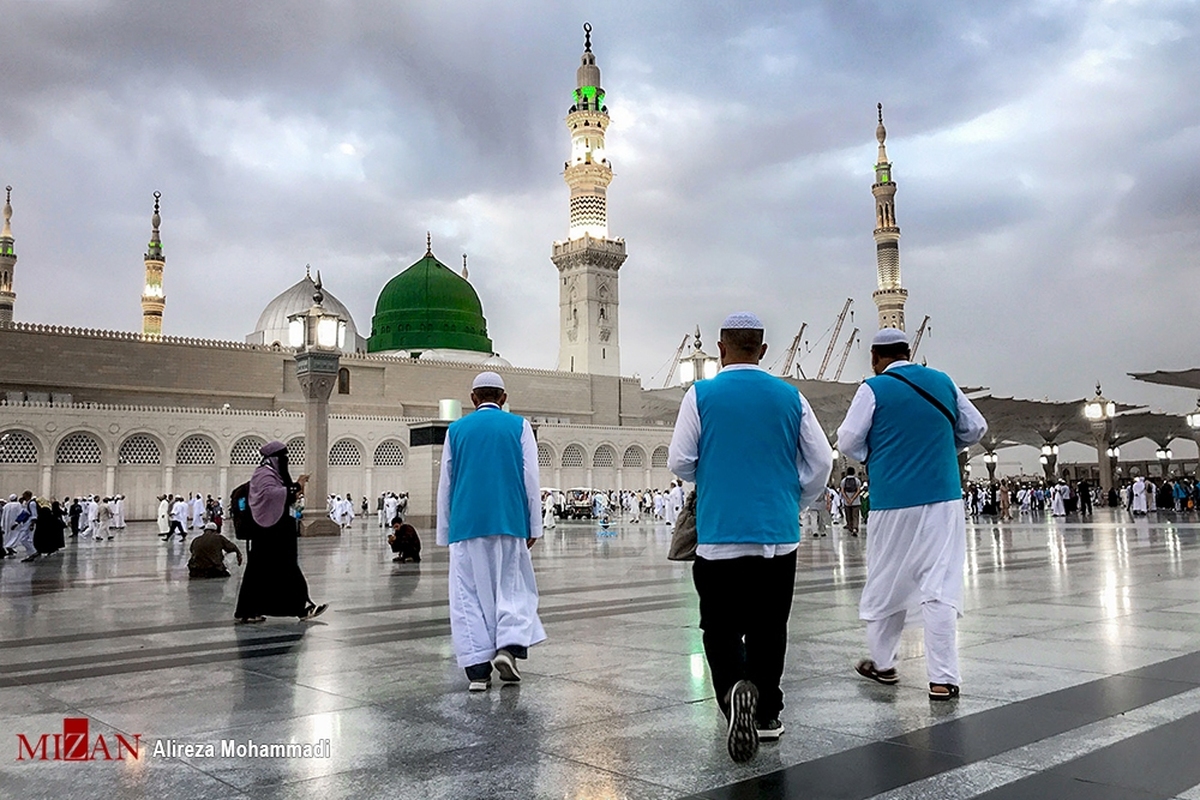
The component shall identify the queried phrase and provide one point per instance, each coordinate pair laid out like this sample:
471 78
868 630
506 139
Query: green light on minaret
593 94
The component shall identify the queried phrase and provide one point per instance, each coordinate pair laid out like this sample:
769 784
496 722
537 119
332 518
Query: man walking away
851 500
753 447
907 424
490 515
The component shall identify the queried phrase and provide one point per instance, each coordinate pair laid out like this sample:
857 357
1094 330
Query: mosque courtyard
1080 654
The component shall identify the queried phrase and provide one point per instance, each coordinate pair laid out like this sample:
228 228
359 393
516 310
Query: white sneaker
506 665
479 686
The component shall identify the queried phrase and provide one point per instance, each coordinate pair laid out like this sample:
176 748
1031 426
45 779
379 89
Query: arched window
389 453
196 451
545 456
345 453
139 449
17 448
296 450
605 457
79 448
245 452
573 456
343 381
658 460
634 457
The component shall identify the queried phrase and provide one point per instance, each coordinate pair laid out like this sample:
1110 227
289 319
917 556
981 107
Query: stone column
991 468
317 372
169 479
1100 432
1051 465
47 479
425 443
223 484
110 480
369 491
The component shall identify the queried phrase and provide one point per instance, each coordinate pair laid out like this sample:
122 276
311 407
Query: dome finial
318 295
156 220
464 272
587 37
308 271
428 243
880 132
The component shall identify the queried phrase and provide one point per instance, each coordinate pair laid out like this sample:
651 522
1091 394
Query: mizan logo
74 744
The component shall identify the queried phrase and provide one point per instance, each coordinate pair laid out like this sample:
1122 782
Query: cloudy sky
1045 152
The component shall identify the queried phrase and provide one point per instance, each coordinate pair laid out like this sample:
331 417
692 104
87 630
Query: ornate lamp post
1193 421
699 365
318 336
1164 455
990 460
1100 412
1049 460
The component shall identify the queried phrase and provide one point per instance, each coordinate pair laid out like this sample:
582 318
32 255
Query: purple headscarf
269 486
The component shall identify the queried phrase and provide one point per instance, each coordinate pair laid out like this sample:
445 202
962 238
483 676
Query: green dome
428 307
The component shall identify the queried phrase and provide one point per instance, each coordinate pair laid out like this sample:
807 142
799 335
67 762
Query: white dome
272 324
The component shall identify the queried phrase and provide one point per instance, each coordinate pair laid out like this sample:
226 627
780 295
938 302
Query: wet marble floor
1080 653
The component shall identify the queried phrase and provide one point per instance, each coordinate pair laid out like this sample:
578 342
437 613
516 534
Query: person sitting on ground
208 554
405 542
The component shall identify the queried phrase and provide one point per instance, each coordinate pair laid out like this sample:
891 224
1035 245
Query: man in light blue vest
490 515
757 455
907 424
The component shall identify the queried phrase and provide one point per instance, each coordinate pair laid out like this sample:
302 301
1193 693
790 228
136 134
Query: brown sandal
866 668
942 691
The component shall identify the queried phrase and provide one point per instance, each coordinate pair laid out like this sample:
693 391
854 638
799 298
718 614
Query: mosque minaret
8 261
891 295
153 299
589 259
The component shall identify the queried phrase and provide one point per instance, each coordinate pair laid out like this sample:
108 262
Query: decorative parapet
131 336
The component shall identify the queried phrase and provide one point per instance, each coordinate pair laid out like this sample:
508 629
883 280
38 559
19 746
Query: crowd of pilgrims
1006 498
38 526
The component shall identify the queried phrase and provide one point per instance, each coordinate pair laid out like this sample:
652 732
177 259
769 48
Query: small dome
272 324
428 307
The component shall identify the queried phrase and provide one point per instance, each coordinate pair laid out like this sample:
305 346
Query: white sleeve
443 497
814 457
684 453
971 425
852 435
533 491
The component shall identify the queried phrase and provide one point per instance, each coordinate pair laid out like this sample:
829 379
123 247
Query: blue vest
487 476
747 488
912 459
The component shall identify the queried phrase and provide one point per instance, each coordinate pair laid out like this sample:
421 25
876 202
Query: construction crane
917 339
837 331
791 352
837 376
678 356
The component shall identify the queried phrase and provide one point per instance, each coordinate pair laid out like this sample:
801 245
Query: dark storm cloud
1044 153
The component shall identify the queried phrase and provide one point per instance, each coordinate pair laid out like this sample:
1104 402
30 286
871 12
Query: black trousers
744 609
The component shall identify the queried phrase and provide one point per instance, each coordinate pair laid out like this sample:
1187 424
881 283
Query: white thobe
197 513
493 592
8 520
94 517
1058 506
118 508
814 460
164 516
1139 496
179 513
915 555
390 505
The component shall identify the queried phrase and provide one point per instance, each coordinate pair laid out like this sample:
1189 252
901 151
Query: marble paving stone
617 703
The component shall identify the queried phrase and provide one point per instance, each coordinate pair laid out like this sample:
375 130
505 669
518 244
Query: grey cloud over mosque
1042 154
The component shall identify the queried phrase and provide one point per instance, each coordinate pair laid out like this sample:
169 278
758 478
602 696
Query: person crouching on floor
405 542
208 554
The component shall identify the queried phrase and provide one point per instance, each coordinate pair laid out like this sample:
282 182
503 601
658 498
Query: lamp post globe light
1164 456
699 365
1099 412
318 336
1049 459
990 460
1193 421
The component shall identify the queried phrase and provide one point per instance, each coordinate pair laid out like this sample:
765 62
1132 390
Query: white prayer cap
889 336
742 320
487 380
12 497
210 526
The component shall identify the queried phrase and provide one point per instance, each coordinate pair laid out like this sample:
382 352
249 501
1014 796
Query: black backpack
850 484
244 526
